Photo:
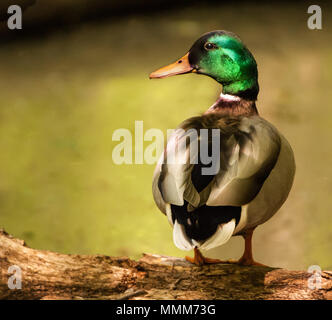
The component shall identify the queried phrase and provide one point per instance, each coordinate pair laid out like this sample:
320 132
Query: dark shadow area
41 17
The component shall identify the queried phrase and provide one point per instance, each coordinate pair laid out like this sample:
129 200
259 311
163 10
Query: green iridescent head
222 56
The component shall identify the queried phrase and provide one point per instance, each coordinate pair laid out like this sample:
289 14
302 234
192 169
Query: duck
228 170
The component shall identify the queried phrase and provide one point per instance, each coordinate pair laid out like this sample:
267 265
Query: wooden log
51 275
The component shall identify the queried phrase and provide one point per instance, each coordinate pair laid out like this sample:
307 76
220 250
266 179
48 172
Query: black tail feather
203 222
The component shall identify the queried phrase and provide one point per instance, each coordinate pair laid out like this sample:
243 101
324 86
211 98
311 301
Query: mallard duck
253 169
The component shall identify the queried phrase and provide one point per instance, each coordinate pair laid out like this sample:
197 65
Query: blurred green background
64 92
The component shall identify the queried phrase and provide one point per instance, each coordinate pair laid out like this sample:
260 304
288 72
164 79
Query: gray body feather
256 171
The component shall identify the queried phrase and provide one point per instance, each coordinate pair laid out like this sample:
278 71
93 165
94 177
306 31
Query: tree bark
51 275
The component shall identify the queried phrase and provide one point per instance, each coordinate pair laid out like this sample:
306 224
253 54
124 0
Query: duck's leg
199 259
247 258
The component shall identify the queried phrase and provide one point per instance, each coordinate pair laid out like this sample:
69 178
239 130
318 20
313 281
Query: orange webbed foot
200 260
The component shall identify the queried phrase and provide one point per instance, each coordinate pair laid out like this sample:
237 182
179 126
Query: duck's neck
247 88
233 105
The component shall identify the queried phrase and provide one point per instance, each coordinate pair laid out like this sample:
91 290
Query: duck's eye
209 46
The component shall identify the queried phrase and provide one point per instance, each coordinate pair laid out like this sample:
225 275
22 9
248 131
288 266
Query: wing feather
249 149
